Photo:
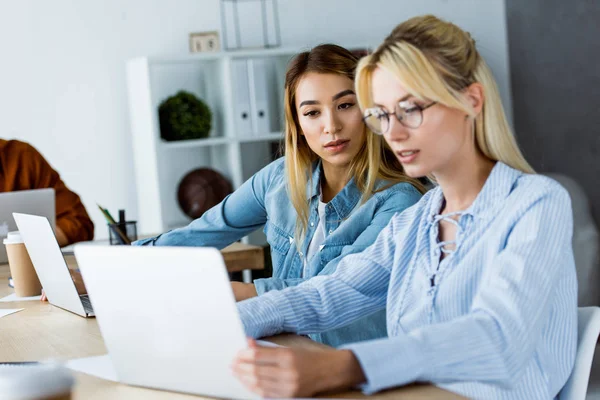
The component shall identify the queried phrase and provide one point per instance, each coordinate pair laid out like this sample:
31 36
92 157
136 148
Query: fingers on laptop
43 298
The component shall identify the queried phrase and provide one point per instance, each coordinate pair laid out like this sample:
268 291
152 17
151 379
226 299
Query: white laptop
50 265
167 315
38 202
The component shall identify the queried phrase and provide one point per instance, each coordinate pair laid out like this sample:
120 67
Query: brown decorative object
360 53
200 190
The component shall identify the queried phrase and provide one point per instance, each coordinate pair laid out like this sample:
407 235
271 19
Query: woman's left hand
243 291
293 372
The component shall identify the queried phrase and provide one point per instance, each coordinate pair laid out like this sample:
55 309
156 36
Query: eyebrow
334 98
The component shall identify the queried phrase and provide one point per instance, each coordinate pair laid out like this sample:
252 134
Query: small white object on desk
35 381
14 297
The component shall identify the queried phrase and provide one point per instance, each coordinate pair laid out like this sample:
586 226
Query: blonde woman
336 188
478 277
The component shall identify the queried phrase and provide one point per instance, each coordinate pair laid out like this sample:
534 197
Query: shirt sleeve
494 342
356 289
239 214
398 201
71 216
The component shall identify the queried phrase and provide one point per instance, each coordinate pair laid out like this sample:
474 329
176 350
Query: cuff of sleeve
260 317
146 242
387 362
264 285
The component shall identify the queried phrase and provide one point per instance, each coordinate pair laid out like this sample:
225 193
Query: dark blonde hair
374 160
436 60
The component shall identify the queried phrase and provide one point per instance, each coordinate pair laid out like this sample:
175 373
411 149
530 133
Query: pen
113 225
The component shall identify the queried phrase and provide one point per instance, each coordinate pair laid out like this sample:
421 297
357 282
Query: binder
259 72
241 98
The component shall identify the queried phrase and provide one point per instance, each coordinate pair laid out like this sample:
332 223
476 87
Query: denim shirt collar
344 202
496 189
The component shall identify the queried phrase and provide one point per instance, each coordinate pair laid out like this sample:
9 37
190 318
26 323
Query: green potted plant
184 116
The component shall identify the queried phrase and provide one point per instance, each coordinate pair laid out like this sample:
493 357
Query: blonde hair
374 161
435 60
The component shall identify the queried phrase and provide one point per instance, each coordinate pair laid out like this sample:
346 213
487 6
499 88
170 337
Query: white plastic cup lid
13 238
25 382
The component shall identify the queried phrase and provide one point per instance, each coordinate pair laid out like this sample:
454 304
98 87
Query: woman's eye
411 109
345 106
311 113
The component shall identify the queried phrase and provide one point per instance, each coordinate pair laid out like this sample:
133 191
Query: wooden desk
237 257
42 331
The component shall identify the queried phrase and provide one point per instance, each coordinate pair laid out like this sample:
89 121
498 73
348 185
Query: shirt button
330 231
300 254
312 224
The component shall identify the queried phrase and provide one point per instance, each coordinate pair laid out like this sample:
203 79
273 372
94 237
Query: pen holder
128 229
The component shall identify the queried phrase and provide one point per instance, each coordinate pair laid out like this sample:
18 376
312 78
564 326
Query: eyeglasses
407 113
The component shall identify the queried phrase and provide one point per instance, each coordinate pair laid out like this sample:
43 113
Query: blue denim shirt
263 201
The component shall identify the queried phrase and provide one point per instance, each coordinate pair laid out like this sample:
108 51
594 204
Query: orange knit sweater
22 167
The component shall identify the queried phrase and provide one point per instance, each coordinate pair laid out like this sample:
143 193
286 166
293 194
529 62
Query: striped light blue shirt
497 318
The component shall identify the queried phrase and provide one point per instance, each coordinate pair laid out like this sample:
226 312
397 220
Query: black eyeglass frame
399 117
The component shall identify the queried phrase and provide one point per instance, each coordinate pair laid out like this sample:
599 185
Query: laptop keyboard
87 305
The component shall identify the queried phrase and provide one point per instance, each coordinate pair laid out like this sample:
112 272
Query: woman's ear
475 96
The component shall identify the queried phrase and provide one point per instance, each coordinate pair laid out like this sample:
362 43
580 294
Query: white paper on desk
98 366
8 311
14 297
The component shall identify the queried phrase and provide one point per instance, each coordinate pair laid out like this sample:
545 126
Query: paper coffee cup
38 381
25 278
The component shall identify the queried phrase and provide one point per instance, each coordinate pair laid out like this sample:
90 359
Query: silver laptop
38 202
167 315
50 265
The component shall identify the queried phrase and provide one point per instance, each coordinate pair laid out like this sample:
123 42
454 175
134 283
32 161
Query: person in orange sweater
22 167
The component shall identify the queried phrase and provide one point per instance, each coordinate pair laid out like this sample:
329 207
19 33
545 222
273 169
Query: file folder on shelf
241 98
259 72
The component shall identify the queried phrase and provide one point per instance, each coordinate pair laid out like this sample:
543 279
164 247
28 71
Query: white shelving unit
231 83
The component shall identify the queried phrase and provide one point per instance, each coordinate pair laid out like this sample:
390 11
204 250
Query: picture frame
201 42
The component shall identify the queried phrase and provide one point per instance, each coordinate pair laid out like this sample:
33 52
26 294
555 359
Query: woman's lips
336 146
407 156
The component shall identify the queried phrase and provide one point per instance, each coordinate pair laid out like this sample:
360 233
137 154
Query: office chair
587 337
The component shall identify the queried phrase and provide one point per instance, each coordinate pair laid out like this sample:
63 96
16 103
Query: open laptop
167 315
50 265
38 202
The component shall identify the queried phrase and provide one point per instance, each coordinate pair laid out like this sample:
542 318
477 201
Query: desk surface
237 256
42 331
240 256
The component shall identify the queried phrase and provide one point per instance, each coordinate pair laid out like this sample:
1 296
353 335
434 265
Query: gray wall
554 48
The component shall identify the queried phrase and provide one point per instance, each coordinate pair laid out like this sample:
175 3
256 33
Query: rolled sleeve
262 319
380 370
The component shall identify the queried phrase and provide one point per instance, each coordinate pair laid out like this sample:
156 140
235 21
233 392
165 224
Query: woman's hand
293 372
243 291
77 280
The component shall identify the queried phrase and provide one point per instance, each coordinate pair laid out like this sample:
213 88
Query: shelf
242 53
186 144
271 137
216 141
